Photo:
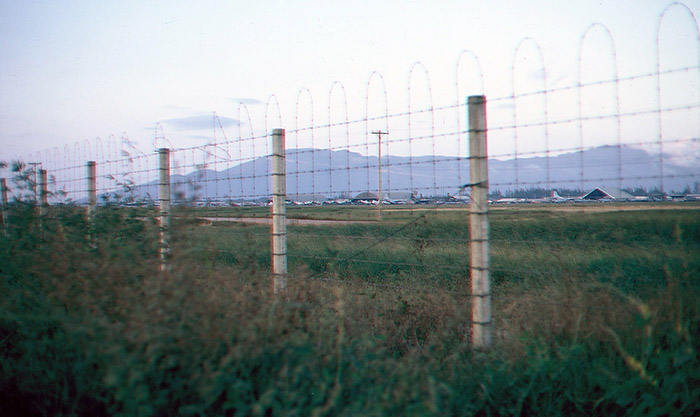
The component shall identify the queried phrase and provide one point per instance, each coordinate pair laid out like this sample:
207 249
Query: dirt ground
562 208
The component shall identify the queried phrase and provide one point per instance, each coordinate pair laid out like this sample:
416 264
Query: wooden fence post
43 193
91 189
164 205
479 254
5 207
279 215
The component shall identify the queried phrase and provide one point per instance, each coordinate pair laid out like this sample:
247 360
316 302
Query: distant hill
342 173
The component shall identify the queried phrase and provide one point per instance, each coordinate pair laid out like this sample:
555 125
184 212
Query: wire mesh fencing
598 179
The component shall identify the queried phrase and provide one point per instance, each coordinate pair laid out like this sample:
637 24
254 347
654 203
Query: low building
307 198
399 196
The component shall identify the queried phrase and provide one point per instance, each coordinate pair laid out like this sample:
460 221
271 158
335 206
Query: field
631 246
595 313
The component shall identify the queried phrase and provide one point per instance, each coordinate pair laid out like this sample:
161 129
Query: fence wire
578 175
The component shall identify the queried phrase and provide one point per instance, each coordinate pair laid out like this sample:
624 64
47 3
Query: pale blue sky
72 71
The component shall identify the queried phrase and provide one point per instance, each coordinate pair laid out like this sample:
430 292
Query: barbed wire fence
383 200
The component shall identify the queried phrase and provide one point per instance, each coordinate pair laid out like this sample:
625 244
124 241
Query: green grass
633 250
595 313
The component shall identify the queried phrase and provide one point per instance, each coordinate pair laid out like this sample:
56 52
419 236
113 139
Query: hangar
607 194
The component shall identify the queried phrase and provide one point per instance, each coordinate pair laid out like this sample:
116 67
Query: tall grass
89 326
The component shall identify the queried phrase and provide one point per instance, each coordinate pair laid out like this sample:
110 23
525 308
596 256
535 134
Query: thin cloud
200 137
200 122
501 104
246 100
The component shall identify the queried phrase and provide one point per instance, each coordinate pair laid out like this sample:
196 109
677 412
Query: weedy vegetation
595 314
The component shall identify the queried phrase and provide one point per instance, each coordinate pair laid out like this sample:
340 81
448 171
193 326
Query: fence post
479 253
34 183
91 200
379 134
43 193
279 216
4 215
164 205
91 189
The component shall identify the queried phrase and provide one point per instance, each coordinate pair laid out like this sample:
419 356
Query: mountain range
322 173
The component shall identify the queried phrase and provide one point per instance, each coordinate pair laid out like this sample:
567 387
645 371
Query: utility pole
379 134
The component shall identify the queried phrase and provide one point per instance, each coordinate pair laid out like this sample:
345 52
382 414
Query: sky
75 71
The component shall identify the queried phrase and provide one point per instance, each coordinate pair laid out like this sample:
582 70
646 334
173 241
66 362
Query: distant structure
389 198
301 197
368 195
607 194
